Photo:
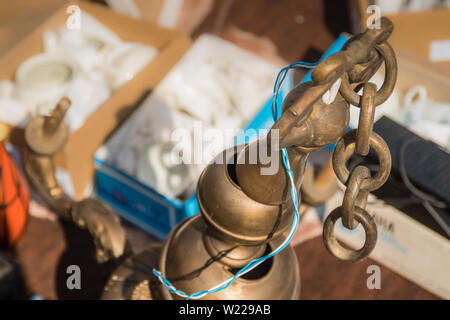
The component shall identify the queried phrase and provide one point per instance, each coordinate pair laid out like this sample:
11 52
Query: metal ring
336 249
384 157
366 117
390 77
354 196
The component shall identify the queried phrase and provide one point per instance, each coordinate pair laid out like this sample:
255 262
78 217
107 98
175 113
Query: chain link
359 181
366 117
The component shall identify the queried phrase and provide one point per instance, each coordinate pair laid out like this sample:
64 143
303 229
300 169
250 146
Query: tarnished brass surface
308 123
268 189
340 252
363 72
359 182
132 279
40 172
354 196
234 215
324 125
184 254
298 112
380 148
366 117
44 137
104 226
390 78
356 51
142 291
48 135
229 253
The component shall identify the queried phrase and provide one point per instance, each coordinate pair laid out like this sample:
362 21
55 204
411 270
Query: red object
14 200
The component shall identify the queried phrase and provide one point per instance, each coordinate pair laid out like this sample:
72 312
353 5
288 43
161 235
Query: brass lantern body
185 251
243 216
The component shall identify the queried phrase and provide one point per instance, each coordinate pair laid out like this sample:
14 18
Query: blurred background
275 34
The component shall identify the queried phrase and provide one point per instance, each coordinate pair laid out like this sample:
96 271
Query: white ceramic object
123 62
42 79
214 76
157 168
127 160
215 85
416 94
6 89
87 51
429 119
93 29
87 46
51 42
13 112
86 96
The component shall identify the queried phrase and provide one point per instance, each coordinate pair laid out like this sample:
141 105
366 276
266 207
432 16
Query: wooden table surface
300 29
48 248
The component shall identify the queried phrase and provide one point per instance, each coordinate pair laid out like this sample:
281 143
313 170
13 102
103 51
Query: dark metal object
44 137
359 182
354 196
380 148
337 249
390 78
366 117
132 281
10 279
356 51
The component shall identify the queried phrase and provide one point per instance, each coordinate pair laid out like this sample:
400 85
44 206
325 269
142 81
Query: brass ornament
48 135
45 136
337 249
244 215
142 291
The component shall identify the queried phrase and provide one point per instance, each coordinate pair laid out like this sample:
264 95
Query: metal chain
359 181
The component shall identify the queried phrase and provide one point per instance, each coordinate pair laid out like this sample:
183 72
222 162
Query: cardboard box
404 245
183 15
416 70
425 33
77 156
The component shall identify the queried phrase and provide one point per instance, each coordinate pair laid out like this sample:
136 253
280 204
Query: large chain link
359 181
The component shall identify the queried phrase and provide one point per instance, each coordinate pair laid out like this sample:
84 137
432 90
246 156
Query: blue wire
294 196
296 65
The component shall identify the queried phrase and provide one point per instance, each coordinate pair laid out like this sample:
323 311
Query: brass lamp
244 214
